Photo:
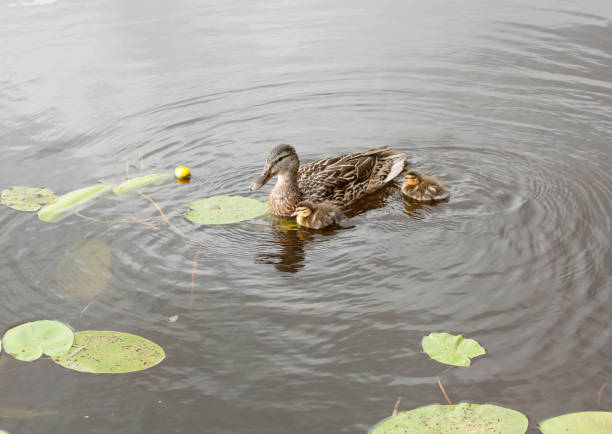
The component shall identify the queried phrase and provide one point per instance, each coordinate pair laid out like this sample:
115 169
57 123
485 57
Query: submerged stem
9 222
396 407
174 228
113 222
444 391
600 393
195 266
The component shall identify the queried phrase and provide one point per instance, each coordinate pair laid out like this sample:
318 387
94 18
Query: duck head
413 177
282 160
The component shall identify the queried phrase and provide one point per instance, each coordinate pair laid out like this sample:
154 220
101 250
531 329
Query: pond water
284 331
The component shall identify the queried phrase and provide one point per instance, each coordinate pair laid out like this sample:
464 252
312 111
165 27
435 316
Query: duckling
423 188
318 215
341 180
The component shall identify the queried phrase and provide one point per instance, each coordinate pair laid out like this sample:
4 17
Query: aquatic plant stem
444 391
396 407
86 307
194 268
113 222
174 228
75 352
600 393
9 222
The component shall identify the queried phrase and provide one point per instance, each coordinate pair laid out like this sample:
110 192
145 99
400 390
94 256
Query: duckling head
303 209
413 177
282 160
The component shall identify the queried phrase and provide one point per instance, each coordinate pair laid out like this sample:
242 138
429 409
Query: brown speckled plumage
340 180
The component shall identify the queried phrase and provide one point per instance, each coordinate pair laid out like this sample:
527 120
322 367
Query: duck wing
344 179
437 192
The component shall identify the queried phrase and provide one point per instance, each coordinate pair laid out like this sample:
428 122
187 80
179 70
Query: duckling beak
263 178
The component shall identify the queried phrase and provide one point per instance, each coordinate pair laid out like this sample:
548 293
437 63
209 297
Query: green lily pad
110 352
592 422
463 418
29 341
72 202
26 198
220 210
140 182
450 349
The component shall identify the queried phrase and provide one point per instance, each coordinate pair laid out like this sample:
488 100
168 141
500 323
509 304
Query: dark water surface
509 103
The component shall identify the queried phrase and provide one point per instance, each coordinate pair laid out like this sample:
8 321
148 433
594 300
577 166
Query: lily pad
84 271
592 422
220 210
72 202
450 349
463 418
20 413
110 352
31 340
26 198
141 182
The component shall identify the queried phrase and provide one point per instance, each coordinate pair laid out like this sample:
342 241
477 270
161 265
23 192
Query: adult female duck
340 180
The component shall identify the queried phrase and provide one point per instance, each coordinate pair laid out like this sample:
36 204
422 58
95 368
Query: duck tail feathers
397 167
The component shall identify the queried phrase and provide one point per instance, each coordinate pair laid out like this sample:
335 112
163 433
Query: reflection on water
290 240
311 331
84 271
287 247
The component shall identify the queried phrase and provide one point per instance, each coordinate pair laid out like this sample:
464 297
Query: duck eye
280 158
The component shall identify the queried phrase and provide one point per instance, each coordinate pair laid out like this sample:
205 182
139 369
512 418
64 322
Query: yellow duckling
318 215
423 188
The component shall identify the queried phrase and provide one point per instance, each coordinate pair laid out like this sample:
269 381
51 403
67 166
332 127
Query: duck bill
263 178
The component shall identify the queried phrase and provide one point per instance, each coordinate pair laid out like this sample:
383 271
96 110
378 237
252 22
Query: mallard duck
423 188
318 215
340 180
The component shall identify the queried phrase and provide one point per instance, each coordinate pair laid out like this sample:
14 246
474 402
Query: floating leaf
26 198
110 352
29 341
463 418
85 270
140 182
451 349
72 202
20 413
173 318
220 210
592 422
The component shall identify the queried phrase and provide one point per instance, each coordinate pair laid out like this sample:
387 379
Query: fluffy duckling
423 188
318 215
